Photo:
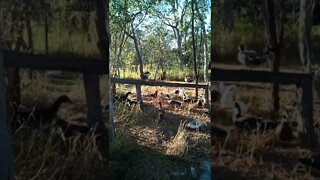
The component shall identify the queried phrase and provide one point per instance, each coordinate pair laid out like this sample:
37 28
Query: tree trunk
274 35
136 45
179 43
304 33
308 137
195 65
227 19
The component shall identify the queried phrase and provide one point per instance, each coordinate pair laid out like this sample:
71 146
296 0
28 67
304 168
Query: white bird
245 123
226 100
188 79
249 58
181 92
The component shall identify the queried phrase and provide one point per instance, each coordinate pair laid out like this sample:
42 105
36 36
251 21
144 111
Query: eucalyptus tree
130 15
304 34
172 13
202 8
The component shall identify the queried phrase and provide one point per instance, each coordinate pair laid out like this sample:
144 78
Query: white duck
249 58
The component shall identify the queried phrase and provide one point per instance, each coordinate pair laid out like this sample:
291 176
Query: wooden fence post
307 136
6 154
92 92
206 94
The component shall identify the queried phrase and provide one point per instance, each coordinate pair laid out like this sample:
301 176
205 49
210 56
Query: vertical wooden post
206 95
92 92
138 90
307 136
6 154
110 125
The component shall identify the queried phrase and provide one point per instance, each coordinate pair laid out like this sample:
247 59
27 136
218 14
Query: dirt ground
168 137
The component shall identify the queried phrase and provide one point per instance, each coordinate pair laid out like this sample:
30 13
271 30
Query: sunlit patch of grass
179 145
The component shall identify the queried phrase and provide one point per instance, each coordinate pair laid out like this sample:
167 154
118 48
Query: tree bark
136 45
304 33
274 34
227 19
195 64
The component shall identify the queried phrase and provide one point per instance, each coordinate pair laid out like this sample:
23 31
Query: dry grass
241 156
45 153
158 149
179 145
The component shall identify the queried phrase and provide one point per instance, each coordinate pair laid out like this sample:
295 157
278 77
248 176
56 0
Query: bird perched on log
173 102
44 116
145 75
249 58
122 98
188 79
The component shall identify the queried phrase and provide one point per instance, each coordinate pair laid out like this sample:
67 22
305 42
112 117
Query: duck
122 97
145 75
163 76
173 102
132 102
188 79
226 100
200 102
196 125
69 128
182 92
155 94
249 58
218 132
186 99
44 116
160 112
216 95
245 123
284 131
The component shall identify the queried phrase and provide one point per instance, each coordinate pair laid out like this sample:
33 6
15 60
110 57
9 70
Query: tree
304 33
177 23
130 14
204 34
274 20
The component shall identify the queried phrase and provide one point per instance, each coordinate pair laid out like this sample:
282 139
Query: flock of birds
162 98
284 128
